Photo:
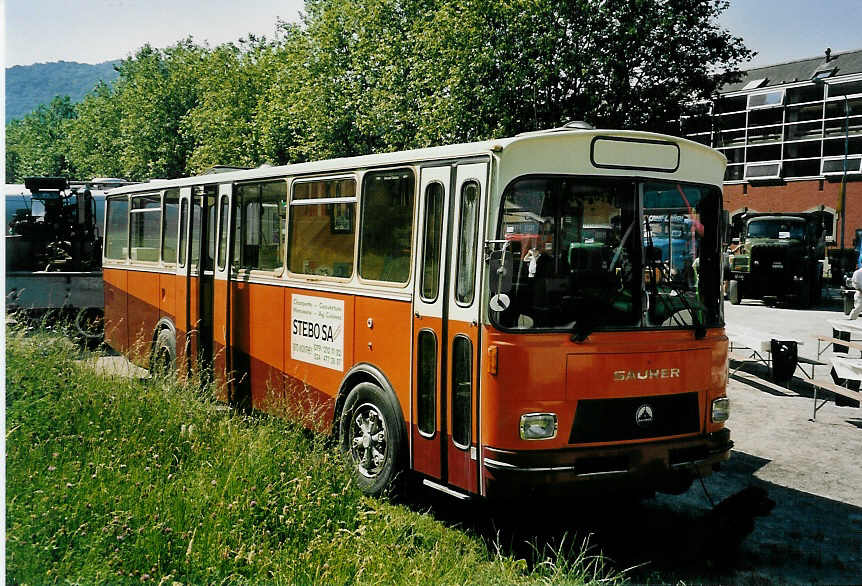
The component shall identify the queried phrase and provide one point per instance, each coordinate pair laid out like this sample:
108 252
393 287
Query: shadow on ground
757 531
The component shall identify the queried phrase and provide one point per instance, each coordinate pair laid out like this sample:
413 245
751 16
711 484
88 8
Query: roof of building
845 63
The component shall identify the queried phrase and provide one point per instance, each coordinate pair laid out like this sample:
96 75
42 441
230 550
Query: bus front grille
630 418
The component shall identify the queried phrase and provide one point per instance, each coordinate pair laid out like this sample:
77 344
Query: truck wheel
805 294
734 295
164 353
90 326
371 438
817 290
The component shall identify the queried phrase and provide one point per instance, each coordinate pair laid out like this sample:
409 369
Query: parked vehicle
53 249
780 258
443 311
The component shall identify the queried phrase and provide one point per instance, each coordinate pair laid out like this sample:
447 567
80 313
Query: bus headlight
720 410
536 426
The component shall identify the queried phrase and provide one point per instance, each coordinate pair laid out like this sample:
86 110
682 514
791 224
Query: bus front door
446 332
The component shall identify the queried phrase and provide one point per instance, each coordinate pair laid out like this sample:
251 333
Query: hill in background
28 86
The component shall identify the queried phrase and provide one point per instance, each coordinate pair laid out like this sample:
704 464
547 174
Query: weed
114 479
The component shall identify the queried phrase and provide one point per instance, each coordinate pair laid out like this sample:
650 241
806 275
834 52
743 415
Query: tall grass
114 479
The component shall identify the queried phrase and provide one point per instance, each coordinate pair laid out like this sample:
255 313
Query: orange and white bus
390 295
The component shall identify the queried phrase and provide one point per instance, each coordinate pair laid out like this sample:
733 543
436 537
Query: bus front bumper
668 466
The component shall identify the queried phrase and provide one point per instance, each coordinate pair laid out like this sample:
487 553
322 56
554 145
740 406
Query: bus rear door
195 315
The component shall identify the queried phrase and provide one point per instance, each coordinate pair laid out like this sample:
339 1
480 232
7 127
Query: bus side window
223 228
430 273
322 220
426 398
465 278
260 212
462 390
386 233
145 223
170 219
184 226
117 238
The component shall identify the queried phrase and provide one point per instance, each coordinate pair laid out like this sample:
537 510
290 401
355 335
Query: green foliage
35 144
112 480
362 76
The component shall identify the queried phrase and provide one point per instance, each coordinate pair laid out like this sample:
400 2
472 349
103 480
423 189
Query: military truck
779 258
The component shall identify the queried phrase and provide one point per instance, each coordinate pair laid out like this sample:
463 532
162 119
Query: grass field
121 480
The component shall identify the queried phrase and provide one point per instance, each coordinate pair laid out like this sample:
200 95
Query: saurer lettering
647 374
314 330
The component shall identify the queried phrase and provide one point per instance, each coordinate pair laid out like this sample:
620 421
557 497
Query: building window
765 170
766 100
835 166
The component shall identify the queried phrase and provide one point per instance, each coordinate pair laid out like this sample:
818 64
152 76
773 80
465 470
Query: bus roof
472 149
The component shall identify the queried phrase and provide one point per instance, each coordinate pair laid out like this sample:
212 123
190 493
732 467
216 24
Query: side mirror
500 271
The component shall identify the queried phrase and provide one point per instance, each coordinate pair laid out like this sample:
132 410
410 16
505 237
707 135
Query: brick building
785 130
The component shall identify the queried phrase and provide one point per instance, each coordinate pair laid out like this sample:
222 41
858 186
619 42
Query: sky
93 31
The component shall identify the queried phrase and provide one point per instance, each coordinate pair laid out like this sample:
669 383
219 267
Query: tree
386 74
34 144
92 141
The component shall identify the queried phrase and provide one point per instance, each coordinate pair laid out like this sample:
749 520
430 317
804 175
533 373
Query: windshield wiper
699 327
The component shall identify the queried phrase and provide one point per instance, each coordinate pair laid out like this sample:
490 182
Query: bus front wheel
371 438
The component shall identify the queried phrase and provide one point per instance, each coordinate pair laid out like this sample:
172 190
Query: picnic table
748 345
846 371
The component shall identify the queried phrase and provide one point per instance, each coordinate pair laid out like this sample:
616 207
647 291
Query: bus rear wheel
164 353
371 438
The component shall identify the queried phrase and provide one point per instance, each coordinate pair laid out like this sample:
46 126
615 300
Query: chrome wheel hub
368 441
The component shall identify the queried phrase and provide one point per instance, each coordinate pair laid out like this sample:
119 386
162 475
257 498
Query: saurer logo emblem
646 374
644 416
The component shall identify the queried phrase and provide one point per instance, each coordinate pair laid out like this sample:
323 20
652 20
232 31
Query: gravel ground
811 470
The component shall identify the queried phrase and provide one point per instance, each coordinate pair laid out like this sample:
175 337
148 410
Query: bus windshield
611 254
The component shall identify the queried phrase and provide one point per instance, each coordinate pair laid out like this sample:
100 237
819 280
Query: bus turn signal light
492 360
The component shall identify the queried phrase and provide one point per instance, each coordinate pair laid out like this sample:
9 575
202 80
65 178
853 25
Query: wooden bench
835 389
836 342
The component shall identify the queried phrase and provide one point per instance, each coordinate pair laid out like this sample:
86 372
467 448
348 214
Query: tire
805 295
90 326
734 295
371 438
164 355
817 291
